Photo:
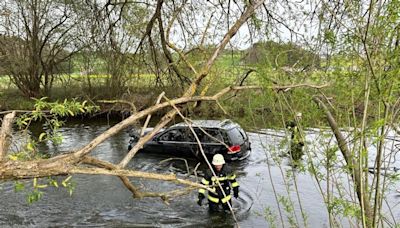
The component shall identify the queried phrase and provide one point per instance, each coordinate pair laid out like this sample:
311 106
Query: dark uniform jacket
226 178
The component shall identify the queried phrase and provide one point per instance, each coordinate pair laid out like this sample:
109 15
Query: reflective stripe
213 179
297 138
216 200
213 199
235 184
226 199
205 182
232 177
202 191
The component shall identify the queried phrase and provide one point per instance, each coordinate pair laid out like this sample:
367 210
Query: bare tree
37 37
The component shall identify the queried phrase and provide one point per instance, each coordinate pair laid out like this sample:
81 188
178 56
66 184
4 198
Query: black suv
216 136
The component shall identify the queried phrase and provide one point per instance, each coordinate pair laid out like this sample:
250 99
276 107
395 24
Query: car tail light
234 149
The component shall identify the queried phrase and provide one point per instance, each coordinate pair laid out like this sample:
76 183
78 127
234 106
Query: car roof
224 124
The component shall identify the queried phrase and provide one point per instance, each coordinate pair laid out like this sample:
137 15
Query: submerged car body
225 137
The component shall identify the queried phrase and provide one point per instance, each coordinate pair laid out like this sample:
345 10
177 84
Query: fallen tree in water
12 168
70 163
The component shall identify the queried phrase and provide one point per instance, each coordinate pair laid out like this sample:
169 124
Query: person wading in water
226 178
296 138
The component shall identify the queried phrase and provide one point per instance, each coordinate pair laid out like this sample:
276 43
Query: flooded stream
103 201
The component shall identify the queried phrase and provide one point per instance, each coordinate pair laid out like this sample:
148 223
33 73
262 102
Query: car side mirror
159 141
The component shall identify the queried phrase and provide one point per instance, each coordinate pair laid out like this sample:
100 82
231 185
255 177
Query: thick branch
103 164
40 168
150 24
232 31
5 133
287 87
133 107
350 161
132 173
135 191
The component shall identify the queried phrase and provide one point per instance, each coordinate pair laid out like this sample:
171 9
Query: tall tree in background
115 29
37 37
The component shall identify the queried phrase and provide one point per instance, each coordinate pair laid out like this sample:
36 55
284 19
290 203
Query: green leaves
69 185
340 206
36 192
53 182
50 113
69 108
34 196
63 109
40 104
329 37
23 121
42 136
19 186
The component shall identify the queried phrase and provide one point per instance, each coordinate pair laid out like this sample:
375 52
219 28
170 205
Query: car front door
171 140
183 144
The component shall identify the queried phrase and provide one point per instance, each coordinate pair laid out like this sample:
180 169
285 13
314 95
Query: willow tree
38 37
359 43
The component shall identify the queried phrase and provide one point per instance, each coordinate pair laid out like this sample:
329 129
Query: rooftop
226 124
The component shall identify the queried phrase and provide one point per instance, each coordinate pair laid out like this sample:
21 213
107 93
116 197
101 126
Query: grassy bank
140 89
255 109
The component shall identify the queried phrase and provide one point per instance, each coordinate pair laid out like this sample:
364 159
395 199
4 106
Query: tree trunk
5 133
352 164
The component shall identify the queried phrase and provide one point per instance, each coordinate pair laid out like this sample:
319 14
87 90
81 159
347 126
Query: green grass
11 99
226 71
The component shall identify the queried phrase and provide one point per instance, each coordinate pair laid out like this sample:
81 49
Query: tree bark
5 133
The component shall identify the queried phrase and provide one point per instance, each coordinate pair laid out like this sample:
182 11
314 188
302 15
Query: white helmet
218 159
298 115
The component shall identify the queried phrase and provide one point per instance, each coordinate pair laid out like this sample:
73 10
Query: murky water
103 201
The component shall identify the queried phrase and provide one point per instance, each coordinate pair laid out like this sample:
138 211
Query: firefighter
296 139
226 178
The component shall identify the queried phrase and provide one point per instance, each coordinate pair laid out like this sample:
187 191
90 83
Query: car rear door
188 147
210 140
213 142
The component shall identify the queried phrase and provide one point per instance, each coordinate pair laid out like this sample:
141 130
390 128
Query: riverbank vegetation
128 57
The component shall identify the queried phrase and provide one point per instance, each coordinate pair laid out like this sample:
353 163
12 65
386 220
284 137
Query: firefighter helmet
218 159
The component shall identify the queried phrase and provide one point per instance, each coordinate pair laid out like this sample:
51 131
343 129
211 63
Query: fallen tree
71 163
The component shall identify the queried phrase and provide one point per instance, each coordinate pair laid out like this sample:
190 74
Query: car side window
190 135
173 135
216 136
200 134
236 136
